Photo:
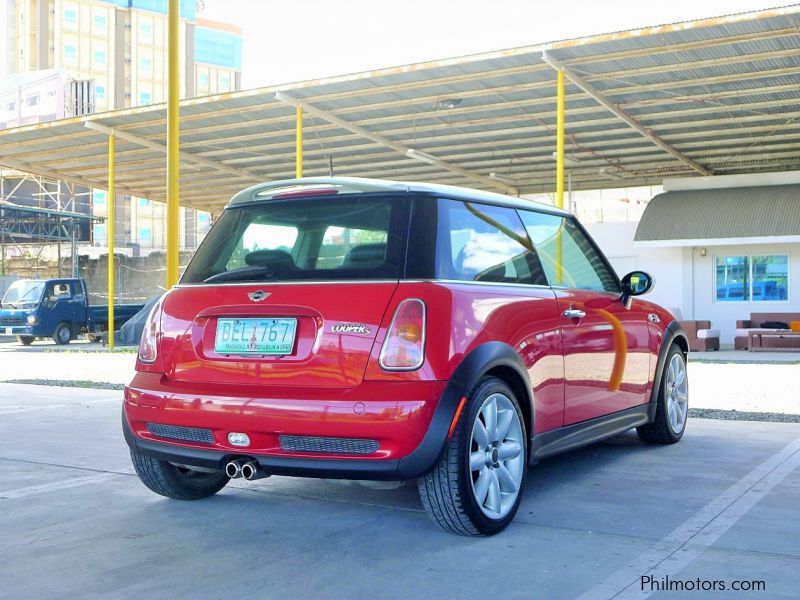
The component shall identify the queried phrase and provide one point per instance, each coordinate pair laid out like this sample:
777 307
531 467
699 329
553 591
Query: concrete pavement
75 522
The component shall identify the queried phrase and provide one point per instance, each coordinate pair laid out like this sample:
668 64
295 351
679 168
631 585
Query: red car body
577 379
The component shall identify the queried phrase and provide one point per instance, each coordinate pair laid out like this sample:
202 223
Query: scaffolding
49 223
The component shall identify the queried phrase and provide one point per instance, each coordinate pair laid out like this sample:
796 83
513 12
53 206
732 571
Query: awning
744 215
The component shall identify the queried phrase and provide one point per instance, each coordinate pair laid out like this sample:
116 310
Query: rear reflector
186 434
325 445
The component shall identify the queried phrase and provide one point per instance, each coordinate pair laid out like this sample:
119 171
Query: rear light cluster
148 346
404 347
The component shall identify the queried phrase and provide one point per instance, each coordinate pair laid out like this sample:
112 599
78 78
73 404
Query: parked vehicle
55 308
350 328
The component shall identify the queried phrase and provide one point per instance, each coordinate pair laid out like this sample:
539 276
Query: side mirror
633 284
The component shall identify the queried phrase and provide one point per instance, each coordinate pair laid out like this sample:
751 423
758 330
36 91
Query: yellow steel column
559 167
173 143
299 143
110 239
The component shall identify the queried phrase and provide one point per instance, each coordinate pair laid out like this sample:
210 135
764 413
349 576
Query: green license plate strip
255 336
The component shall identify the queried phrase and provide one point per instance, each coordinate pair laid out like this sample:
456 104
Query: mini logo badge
350 328
258 295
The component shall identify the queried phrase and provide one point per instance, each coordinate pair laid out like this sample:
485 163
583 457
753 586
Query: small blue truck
58 309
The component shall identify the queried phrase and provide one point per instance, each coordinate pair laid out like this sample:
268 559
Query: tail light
148 346
404 347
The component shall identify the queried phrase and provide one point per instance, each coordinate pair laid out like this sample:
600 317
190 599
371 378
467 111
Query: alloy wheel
496 460
677 393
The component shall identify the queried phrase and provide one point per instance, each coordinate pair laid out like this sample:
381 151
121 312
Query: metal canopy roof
686 217
718 95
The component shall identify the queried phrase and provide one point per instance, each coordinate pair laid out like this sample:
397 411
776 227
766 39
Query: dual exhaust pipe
242 467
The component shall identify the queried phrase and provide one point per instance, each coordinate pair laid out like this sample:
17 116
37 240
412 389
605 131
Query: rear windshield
304 239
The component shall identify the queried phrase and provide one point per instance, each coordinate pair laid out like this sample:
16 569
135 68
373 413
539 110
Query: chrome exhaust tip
234 469
252 470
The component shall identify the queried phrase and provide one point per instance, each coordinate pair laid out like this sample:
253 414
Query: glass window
23 291
341 245
733 278
224 83
100 92
752 278
578 264
99 57
145 97
478 242
32 100
146 31
11 106
60 290
99 234
329 238
770 277
70 16
146 63
70 52
100 22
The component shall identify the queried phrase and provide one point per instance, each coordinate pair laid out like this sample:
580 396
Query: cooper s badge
350 328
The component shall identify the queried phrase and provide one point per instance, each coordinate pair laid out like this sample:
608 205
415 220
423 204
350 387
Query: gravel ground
755 391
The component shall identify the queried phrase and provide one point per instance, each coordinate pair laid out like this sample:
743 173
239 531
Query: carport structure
715 96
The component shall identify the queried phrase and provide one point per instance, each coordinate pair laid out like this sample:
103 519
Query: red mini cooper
364 329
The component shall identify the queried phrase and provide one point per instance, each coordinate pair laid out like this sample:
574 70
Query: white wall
666 265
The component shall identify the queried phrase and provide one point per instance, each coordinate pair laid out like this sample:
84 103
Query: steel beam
375 137
614 109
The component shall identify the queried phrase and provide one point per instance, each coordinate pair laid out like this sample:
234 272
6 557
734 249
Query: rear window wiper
242 273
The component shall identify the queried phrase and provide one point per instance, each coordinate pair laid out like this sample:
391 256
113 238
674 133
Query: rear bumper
410 422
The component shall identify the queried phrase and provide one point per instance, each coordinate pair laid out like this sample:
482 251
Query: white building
719 248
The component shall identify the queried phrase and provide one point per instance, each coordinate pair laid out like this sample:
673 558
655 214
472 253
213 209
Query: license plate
255 336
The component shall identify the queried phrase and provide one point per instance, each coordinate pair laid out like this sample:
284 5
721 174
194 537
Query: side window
262 236
478 242
61 290
568 257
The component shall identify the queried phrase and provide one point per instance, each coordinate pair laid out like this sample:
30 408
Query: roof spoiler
342 185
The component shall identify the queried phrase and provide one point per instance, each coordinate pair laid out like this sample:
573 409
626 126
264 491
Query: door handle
573 313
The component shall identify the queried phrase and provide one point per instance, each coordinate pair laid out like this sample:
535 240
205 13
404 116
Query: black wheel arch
491 358
673 333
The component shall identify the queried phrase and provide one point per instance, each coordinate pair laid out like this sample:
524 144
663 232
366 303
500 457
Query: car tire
473 489
672 405
176 482
63 334
25 340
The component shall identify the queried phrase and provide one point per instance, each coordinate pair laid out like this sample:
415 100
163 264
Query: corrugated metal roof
724 92
746 212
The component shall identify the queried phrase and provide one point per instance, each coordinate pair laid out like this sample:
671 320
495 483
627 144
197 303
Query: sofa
702 337
756 322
